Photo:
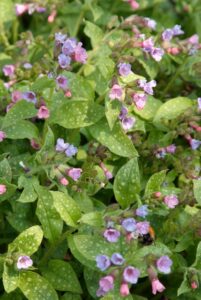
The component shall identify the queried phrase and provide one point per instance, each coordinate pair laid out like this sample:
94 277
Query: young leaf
35 287
50 219
62 276
127 183
115 139
28 241
67 208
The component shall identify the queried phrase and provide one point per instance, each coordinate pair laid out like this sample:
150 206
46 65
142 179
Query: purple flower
164 264
71 150
80 54
2 135
9 70
171 149
103 262
128 122
29 97
139 100
150 23
194 39
142 211
116 92
74 173
131 275
171 201
199 104
64 61
157 54
147 86
117 259
16 96
62 82
147 45
111 235
167 35
27 66
177 30
124 69
61 146
124 112
195 144
105 285
129 224
142 227
60 38
69 46
24 262
43 112
161 153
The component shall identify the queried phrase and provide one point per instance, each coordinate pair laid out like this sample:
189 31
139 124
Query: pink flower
24 262
139 100
124 289
20 9
131 275
16 96
171 201
148 44
34 144
52 16
64 181
194 39
2 135
80 54
171 148
157 286
194 285
105 285
74 173
116 92
43 112
134 5
9 70
2 189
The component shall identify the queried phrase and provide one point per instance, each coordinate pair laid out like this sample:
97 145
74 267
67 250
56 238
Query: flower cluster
168 34
163 151
69 149
29 8
69 50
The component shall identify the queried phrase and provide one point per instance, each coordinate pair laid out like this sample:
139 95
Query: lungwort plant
100 138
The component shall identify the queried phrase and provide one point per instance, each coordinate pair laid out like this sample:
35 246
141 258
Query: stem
78 23
54 246
173 79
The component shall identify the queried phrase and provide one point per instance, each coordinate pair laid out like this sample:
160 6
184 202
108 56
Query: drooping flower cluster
149 47
130 274
69 50
69 149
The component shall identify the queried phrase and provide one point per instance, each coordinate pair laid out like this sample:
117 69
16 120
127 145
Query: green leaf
10 190
35 287
184 287
7 12
150 109
48 216
21 110
151 67
154 183
197 190
5 170
21 130
112 110
127 183
42 83
62 276
77 113
28 241
94 32
47 145
28 194
93 219
71 296
67 208
85 248
197 263
80 87
116 140
10 278
171 110
21 217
